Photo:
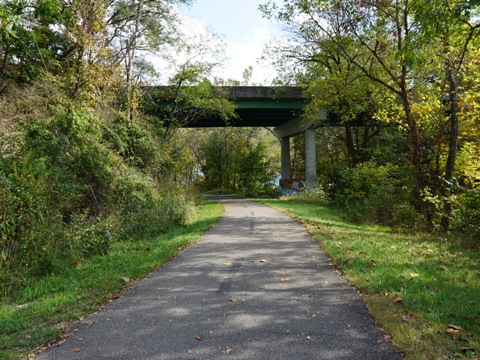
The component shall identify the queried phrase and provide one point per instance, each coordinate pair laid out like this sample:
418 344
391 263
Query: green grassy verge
423 290
46 308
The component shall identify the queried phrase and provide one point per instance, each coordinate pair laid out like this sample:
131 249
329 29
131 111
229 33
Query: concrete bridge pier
311 157
293 128
285 156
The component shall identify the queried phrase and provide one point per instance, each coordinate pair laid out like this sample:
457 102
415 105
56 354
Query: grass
47 307
423 290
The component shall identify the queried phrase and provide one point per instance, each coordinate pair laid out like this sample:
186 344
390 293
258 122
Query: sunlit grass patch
422 289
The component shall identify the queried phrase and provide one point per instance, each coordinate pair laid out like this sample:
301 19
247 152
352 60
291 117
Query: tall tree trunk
452 144
416 158
131 54
352 151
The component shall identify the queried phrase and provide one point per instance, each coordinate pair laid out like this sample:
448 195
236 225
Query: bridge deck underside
249 117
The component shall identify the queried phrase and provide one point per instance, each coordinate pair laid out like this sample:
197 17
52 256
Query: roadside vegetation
45 308
399 83
82 166
422 289
91 187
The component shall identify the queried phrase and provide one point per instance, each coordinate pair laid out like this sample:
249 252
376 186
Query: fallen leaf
228 264
199 338
189 351
228 350
263 261
286 280
441 267
76 350
398 299
407 317
388 338
125 279
379 341
414 275
233 300
451 331
59 343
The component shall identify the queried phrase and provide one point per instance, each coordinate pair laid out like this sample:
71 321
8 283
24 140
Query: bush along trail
422 289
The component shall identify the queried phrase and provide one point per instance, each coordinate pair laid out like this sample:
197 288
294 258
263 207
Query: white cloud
239 54
248 53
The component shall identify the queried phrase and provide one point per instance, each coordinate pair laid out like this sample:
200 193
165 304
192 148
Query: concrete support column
311 157
285 156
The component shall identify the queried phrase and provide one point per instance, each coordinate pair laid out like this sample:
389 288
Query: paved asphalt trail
256 286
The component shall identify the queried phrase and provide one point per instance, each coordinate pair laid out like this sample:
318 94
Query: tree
30 37
386 42
452 27
235 159
139 27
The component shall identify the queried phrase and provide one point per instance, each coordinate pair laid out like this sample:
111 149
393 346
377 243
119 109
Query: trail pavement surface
256 286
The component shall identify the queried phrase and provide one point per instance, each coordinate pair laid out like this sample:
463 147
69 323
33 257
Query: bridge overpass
280 108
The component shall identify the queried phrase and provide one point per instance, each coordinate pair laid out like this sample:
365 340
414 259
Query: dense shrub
377 193
146 208
467 215
315 195
25 225
74 183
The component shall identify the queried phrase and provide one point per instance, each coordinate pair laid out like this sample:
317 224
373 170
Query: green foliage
467 216
255 171
374 193
422 77
85 237
316 195
80 168
137 143
145 209
24 222
236 159
74 185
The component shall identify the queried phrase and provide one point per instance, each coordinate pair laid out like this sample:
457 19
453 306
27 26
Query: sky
242 28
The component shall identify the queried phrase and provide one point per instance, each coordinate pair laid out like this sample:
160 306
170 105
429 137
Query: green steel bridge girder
256 106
